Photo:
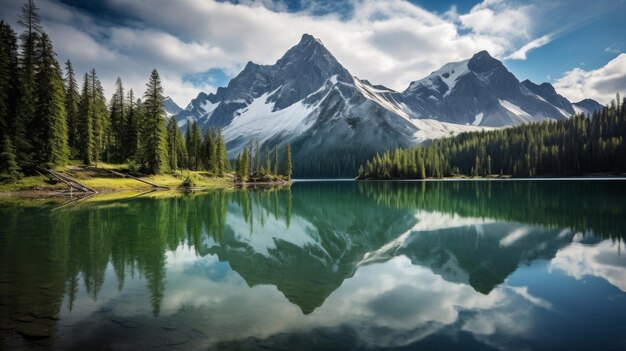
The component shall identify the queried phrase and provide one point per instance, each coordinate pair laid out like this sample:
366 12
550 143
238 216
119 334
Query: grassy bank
110 178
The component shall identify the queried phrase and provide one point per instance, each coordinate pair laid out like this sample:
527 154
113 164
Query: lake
444 265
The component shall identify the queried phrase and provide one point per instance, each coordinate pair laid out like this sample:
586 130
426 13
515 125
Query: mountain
478 91
586 106
308 99
171 109
335 121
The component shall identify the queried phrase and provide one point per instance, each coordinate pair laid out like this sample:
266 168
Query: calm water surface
516 265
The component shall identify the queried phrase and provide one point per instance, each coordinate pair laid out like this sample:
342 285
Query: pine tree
92 121
100 123
222 159
140 118
194 146
276 161
212 157
172 143
118 122
268 161
153 133
208 149
131 137
9 80
9 168
181 157
30 21
244 162
50 129
72 98
288 161
84 124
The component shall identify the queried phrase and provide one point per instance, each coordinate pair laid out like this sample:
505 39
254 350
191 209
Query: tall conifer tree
276 161
153 132
118 123
172 143
288 166
9 79
84 124
131 137
50 129
31 23
71 103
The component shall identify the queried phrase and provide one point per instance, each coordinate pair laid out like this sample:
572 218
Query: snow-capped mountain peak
171 108
442 80
308 99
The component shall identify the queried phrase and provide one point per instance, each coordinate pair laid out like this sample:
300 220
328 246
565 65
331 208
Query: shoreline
45 192
65 193
79 181
597 176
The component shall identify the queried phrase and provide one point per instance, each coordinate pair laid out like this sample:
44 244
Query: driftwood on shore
70 182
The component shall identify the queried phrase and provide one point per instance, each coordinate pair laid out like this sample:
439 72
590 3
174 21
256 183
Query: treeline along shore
56 133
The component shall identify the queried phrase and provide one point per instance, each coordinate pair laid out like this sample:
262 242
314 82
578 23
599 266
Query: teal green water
480 265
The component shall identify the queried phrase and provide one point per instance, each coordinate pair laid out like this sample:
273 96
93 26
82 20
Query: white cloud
600 84
615 48
499 18
601 260
521 53
390 42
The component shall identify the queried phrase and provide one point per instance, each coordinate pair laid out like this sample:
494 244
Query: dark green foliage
288 167
575 146
101 123
242 164
276 161
116 134
9 80
24 119
210 151
341 161
84 124
153 135
92 121
131 136
50 132
9 168
222 159
194 147
50 121
174 143
268 161
71 103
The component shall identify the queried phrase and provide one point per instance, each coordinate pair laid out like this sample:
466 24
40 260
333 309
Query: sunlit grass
30 183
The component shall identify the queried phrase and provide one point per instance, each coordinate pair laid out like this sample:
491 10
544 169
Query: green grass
102 180
30 183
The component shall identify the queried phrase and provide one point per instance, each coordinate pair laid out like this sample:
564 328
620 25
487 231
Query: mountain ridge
308 99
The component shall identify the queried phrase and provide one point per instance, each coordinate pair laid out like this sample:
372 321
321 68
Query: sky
198 45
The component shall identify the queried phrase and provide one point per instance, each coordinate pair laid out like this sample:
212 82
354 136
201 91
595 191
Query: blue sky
198 45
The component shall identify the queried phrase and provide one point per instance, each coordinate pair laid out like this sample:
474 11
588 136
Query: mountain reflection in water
332 265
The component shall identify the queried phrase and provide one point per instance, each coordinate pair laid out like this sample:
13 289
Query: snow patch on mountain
449 74
259 121
171 108
378 95
433 129
516 110
478 119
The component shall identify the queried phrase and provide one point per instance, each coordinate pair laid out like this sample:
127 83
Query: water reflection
320 265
